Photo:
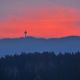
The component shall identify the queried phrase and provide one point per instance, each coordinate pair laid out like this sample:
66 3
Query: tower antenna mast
25 33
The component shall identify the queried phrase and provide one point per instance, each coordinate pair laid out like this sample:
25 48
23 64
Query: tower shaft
25 34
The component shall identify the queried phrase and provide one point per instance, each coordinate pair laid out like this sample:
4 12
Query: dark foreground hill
46 66
31 44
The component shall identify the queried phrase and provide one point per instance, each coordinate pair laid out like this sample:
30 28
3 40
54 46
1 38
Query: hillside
32 44
36 66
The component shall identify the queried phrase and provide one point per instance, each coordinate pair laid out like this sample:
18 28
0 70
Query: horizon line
40 37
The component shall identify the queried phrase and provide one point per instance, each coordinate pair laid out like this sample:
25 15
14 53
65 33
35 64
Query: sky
41 18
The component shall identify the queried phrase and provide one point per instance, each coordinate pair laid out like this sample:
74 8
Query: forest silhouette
40 66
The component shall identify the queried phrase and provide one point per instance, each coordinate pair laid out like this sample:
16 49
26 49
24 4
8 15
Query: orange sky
46 22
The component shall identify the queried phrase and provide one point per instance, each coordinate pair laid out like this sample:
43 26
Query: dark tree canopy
41 66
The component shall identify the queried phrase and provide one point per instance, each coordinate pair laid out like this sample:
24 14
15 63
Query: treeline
41 66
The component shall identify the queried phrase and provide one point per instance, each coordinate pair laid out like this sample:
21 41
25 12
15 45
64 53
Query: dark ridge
33 44
37 66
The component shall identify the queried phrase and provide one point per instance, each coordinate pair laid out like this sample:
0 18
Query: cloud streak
9 7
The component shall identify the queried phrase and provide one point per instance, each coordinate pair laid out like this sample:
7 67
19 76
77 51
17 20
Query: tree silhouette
40 66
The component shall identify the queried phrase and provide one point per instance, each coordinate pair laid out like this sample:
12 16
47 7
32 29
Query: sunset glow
52 21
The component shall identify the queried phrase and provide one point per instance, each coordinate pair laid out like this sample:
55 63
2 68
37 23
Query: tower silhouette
25 33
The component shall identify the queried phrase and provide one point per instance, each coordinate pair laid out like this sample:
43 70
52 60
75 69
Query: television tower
25 33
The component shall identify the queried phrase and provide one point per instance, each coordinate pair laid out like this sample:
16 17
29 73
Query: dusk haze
39 39
41 18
